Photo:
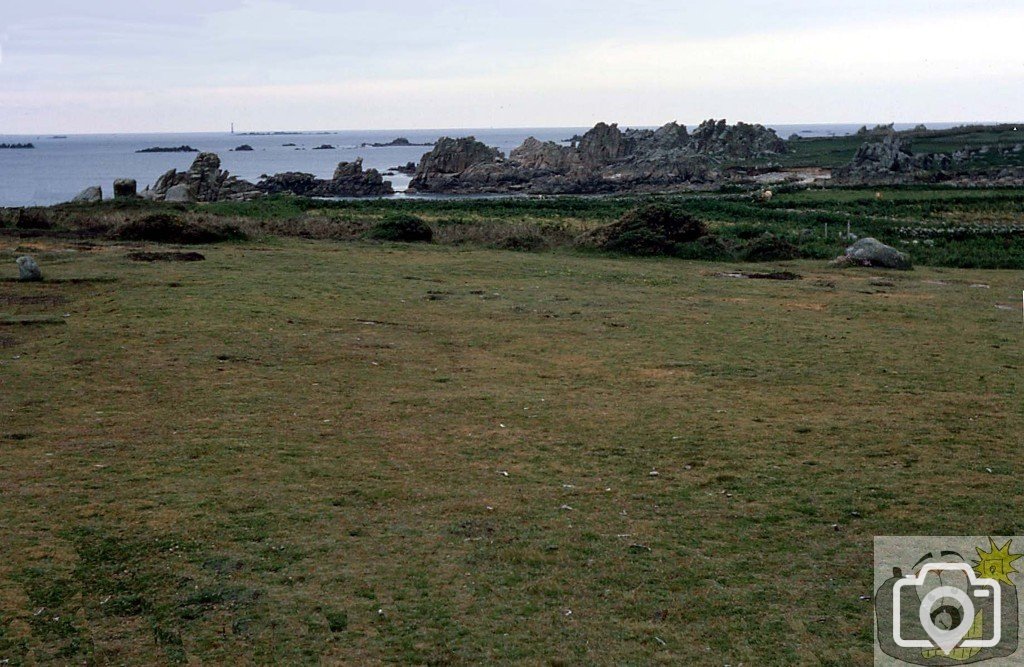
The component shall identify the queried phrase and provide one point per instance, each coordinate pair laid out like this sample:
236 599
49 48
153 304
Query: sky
200 65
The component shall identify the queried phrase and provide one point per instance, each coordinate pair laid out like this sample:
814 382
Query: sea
61 166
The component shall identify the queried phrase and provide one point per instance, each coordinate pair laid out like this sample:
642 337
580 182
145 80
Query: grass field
310 451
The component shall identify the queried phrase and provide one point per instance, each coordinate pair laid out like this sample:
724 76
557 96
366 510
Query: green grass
299 452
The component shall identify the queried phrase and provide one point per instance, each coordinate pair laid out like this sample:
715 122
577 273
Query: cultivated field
301 451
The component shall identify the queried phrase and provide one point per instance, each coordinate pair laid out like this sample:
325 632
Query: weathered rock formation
204 181
349 180
889 161
605 159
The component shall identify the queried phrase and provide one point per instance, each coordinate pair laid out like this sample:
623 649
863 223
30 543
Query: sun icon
997 563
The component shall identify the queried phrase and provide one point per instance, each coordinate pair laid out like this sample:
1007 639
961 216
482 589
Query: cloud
323 65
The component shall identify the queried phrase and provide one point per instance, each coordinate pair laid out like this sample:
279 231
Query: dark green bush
769 248
525 242
710 248
170 228
653 229
402 227
33 218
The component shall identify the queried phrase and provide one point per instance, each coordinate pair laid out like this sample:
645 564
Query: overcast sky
195 65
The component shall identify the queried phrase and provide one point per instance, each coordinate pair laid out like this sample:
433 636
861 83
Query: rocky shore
205 181
604 160
349 180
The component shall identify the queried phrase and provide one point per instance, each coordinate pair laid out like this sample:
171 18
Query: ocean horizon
61 166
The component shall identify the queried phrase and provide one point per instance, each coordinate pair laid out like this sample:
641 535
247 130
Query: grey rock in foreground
125 188
874 253
28 270
91 194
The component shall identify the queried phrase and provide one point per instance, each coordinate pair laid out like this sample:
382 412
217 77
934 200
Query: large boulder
28 270
90 195
125 188
872 252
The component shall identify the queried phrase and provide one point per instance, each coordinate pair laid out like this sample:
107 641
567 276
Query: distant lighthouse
232 128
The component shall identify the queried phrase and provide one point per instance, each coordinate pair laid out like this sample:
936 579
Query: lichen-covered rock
28 269
872 252
90 195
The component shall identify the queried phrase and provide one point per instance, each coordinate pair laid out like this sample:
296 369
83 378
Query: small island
171 149
243 148
400 141
324 147
17 146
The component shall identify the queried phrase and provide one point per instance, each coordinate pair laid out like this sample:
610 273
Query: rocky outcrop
872 252
90 195
349 180
170 149
605 159
890 161
400 142
742 140
204 181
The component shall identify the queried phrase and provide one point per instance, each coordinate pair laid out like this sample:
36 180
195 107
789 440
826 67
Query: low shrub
33 218
710 248
653 229
170 228
769 248
402 227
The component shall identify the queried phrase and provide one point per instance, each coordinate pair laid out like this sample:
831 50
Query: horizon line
496 128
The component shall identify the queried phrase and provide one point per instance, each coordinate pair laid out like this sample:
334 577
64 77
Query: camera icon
947 613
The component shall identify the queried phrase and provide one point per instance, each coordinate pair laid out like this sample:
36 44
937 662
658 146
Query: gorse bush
402 227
